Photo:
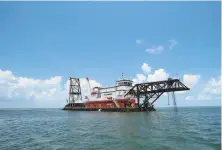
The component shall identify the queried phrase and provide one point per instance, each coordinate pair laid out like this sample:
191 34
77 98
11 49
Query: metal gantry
153 90
74 90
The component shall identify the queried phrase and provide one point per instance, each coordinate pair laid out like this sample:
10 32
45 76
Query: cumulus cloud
213 86
158 75
155 49
11 85
45 92
146 68
40 91
172 44
149 76
139 41
191 80
139 78
212 89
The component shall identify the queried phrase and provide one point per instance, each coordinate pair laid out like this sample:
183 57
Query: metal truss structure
153 90
74 90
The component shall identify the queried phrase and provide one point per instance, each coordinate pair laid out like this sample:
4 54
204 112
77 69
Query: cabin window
121 83
125 84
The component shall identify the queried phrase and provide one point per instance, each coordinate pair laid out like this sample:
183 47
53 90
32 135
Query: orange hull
122 103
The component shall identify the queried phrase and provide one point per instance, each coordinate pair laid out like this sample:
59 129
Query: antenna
122 75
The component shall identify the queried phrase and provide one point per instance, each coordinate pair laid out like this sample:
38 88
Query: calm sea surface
196 128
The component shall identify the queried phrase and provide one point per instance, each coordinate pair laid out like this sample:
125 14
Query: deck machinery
140 97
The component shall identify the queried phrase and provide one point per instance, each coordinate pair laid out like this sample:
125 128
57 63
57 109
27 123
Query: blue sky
40 40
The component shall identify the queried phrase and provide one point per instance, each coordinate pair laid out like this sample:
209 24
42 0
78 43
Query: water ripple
52 129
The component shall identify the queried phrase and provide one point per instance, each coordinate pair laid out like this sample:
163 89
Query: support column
138 96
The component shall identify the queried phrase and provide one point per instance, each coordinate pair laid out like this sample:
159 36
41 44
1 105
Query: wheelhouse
124 82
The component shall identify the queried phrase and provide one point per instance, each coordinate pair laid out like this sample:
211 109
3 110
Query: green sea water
196 128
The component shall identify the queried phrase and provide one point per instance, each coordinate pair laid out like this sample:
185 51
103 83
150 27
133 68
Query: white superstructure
115 92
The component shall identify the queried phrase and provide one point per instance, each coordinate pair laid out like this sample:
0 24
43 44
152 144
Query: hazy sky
43 43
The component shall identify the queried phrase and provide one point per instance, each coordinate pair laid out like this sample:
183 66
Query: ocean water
196 128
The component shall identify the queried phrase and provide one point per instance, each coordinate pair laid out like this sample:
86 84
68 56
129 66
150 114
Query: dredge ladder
153 90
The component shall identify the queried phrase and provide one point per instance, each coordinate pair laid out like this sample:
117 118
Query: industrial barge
122 97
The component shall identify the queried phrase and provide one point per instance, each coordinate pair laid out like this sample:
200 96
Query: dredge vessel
124 96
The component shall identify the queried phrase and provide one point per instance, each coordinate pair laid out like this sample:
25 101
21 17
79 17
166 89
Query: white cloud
139 78
43 92
190 80
172 44
150 76
146 68
210 92
13 87
213 86
212 89
190 98
158 75
203 97
135 81
52 92
139 41
160 48
155 50
199 97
